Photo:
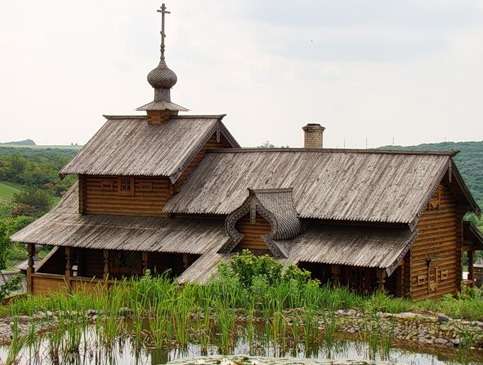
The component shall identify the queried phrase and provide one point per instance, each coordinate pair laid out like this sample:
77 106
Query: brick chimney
313 135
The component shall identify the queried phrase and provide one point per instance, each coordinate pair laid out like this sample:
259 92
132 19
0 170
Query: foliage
31 202
5 229
7 190
251 271
267 144
468 304
10 286
36 168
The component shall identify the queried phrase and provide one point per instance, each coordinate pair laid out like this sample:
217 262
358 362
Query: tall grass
160 311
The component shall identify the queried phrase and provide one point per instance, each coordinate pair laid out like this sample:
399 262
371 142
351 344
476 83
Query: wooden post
335 270
381 279
105 274
471 273
30 267
185 261
145 262
68 267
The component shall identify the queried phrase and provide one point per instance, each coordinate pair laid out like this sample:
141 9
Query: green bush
249 270
9 286
33 201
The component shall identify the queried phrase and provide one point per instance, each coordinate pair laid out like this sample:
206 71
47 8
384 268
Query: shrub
249 269
32 201
9 286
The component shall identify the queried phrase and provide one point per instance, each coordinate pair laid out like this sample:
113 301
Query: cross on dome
163 11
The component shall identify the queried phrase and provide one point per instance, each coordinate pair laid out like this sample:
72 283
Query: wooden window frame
145 186
107 185
123 183
421 280
443 274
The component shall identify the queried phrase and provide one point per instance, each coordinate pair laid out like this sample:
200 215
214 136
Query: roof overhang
472 237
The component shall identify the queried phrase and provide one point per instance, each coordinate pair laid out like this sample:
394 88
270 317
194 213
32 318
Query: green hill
469 161
7 190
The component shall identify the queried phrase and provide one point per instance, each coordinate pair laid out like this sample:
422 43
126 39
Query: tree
31 201
5 242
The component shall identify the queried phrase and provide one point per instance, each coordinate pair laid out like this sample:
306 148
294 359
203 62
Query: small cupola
162 79
313 135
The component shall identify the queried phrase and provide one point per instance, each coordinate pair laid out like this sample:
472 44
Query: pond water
129 350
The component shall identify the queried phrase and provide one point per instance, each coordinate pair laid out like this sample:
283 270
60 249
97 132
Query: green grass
7 190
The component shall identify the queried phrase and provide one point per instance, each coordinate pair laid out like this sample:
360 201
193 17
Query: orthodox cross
163 35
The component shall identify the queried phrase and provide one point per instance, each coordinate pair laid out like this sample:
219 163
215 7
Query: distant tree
37 199
5 242
267 144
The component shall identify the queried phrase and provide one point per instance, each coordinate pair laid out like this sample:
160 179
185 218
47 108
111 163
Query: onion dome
162 77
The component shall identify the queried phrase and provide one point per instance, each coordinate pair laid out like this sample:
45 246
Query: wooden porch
71 269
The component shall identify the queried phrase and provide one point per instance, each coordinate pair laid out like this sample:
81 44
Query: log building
169 191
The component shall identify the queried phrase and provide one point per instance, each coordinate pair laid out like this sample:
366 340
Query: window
421 279
435 201
107 185
146 186
126 186
444 275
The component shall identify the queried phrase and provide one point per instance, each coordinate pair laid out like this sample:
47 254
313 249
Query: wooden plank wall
436 254
252 232
45 283
211 144
108 201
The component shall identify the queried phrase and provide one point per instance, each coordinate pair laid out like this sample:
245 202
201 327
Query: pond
89 346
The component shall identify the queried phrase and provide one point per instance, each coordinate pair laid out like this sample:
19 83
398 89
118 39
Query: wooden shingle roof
130 146
64 226
348 185
381 248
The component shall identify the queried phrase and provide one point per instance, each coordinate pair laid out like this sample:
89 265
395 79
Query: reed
15 346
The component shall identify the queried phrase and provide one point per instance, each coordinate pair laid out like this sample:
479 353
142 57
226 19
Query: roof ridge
336 150
209 116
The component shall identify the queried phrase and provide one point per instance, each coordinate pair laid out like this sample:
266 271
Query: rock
440 341
443 318
405 315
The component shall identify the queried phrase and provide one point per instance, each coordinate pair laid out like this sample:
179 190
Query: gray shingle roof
372 186
353 246
64 226
129 146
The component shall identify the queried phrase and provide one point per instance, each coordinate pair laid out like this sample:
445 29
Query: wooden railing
43 283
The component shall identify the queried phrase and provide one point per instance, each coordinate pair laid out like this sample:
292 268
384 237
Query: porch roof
64 226
372 247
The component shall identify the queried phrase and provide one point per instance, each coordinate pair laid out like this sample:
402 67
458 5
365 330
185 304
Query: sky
373 72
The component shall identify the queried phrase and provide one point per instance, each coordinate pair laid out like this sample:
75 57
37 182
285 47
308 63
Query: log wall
435 257
100 195
211 144
252 232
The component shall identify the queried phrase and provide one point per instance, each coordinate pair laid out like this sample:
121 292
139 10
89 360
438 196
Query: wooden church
165 190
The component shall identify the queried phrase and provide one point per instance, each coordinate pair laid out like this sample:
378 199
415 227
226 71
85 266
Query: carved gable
276 207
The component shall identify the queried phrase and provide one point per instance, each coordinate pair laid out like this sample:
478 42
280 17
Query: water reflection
128 350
